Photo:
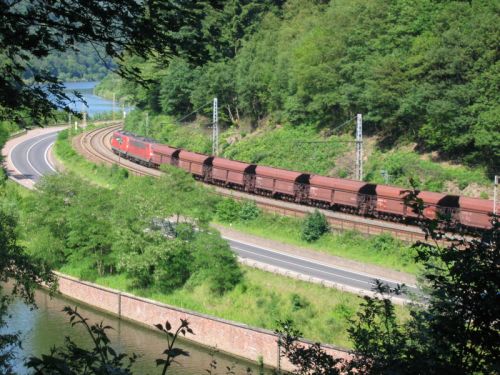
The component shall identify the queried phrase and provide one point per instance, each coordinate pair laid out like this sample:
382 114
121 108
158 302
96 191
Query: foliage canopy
422 71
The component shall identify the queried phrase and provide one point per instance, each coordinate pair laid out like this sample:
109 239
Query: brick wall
230 337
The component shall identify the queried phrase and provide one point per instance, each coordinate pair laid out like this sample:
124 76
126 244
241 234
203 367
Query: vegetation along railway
368 208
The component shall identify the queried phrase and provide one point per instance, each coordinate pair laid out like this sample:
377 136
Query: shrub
384 243
172 270
215 263
314 226
298 302
249 211
228 210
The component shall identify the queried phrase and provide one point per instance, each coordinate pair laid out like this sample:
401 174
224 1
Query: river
95 104
46 326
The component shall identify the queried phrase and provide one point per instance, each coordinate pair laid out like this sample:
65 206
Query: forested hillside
90 64
419 71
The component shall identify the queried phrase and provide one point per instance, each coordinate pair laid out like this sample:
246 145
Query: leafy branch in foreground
102 359
456 331
171 352
19 275
32 30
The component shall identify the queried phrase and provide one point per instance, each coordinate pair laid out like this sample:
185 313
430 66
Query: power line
344 123
194 111
358 142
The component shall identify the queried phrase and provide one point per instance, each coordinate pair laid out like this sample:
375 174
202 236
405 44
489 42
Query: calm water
95 104
47 326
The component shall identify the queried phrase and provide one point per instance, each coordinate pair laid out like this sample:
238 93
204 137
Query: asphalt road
308 267
30 159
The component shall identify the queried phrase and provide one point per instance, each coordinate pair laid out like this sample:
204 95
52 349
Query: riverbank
238 339
260 300
48 325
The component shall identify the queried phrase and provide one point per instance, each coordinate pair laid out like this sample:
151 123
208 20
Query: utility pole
359 147
114 99
385 174
215 129
147 124
84 119
495 192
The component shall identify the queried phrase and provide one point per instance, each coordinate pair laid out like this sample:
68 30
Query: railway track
95 145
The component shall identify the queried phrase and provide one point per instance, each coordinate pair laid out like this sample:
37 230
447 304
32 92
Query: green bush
314 226
428 175
173 269
249 211
228 210
214 263
385 243
298 302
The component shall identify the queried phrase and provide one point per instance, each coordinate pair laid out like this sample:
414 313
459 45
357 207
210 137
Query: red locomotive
356 197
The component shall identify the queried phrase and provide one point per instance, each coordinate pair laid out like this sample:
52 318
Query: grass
380 250
101 175
383 250
404 165
283 147
287 147
262 299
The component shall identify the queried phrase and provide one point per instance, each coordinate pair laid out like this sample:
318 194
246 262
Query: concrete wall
230 337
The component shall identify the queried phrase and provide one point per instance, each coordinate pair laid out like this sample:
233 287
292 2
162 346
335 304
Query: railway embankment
96 148
310 303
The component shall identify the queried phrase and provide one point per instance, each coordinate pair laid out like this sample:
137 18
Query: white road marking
317 262
45 155
310 268
28 156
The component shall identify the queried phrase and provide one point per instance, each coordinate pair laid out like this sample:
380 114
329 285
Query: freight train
350 196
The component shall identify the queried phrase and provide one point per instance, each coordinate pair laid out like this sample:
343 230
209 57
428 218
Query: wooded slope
422 70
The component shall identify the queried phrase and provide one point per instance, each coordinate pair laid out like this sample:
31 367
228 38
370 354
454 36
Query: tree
176 86
314 226
454 330
24 273
33 29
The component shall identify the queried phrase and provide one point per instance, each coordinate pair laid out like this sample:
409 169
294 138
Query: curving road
29 157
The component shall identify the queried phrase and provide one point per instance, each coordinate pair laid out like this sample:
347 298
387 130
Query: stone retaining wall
230 337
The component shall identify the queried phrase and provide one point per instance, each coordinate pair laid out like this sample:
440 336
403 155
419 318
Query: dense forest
89 64
419 71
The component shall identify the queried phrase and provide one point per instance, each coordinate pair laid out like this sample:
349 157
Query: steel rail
96 146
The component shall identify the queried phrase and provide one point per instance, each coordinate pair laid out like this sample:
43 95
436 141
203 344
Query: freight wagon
355 197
